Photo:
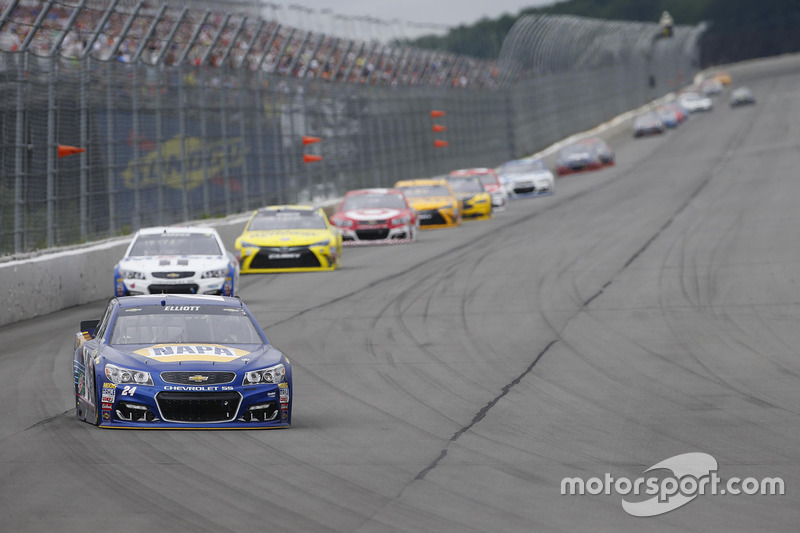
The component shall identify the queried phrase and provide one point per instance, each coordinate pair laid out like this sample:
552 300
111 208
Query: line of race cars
693 100
177 348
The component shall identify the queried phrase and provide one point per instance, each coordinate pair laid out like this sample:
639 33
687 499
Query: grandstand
200 33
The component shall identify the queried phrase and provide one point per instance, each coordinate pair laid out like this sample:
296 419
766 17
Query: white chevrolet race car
176 260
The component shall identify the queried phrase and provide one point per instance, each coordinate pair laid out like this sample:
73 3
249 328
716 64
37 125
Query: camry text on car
289 238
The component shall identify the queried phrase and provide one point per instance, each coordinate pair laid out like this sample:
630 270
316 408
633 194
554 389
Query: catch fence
187 114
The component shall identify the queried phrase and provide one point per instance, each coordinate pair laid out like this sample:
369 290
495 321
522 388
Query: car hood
524 176
286 237
186 356
371 213
577 156
430 202
471 195
157 263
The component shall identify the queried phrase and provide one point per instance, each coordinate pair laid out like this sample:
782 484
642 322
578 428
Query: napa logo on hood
177 353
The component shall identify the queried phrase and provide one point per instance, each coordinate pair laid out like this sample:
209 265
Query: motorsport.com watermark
693 474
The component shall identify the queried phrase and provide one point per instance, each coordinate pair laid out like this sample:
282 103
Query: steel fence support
111 170
84 141
137 170
20 152
51 153
182 136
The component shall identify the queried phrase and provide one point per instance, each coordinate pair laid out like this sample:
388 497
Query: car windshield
159 324
488 179
468 185
421 191
577 149
524 167
175 244
271 220
367 201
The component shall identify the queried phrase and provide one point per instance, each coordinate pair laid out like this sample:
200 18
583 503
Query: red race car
376 216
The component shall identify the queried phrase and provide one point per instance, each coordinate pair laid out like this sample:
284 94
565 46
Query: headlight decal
265 376
216 273
126 376
131 274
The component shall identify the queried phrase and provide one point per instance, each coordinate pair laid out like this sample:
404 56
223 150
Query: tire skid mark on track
700 298
479 240
485 410
736 141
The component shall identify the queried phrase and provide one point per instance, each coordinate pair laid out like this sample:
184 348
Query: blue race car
180 361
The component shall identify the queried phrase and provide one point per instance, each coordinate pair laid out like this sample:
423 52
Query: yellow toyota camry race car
435 202
288 238
476 201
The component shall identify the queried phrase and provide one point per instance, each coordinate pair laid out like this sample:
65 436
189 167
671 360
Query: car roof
177 299
421 182
523 161
271 208
472 171
176 229
355 192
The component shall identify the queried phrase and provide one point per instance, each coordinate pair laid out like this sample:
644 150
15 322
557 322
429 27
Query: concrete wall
50 281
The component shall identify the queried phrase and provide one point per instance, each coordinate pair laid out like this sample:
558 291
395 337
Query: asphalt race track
645 311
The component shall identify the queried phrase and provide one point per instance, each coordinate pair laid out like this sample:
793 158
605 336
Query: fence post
21 153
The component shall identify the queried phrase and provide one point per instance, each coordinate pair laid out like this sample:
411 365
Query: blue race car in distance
180 361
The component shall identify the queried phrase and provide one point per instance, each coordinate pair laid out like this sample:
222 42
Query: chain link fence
189 124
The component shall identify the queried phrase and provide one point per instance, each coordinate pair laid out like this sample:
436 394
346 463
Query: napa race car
178 260
179 361
524 178
376 216
476 202
289 238
435 202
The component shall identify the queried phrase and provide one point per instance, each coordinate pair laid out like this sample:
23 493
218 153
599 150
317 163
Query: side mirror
89 326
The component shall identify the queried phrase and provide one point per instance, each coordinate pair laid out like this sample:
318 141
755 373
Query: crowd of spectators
197 37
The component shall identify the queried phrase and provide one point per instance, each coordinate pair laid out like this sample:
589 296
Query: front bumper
531 191
438 218
197 407
288 259
213 286
377 234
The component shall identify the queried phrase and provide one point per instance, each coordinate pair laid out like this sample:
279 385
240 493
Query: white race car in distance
694 102
523 178
176 260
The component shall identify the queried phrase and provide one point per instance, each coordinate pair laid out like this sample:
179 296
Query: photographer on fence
666 24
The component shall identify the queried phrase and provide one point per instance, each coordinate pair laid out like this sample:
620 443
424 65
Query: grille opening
198 406
264 412
134 412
